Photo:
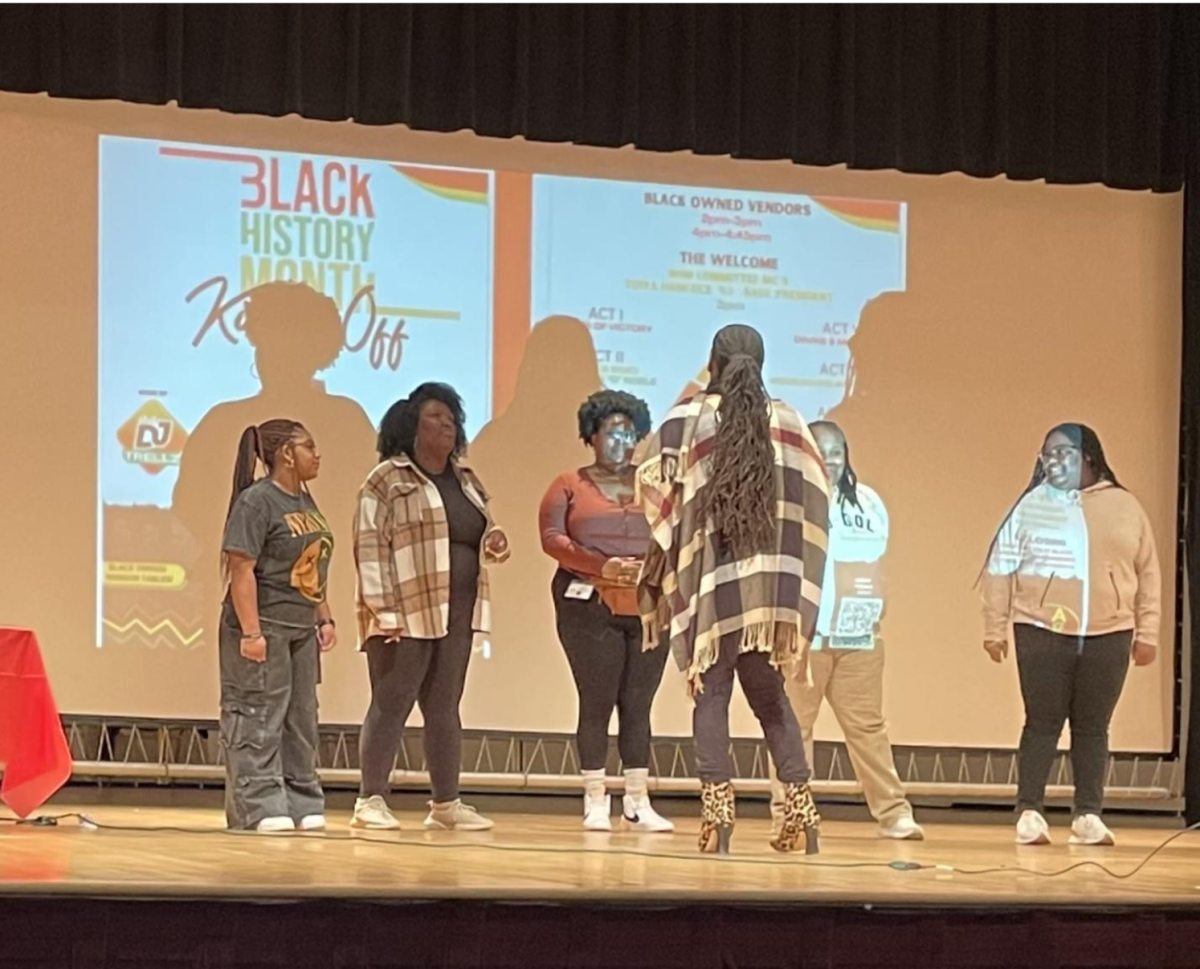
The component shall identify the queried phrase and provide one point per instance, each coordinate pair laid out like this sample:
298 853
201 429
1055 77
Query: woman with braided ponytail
274 624
738 506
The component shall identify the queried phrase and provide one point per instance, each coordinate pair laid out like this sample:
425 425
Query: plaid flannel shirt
402 553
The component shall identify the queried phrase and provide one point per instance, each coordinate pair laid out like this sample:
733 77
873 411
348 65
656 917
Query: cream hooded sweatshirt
1075 562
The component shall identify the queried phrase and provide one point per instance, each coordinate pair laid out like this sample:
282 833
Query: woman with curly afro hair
592 526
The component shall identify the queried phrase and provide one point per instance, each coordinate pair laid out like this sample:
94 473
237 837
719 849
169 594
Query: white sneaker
638 815
312 822
456 816
597 813
1032 829
271 825
373 814
1088 829
903 828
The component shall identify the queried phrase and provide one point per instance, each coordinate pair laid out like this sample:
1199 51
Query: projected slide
655 269
397 265
187 233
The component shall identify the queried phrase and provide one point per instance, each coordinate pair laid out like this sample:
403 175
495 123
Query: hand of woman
997 650
254 648
622 571
1144 654
495 546
326 636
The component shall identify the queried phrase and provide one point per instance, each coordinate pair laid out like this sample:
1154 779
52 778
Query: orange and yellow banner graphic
871 214
453 184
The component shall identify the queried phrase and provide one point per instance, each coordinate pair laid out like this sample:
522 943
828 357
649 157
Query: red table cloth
33 748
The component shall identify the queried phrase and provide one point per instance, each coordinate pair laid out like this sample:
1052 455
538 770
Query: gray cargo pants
269 726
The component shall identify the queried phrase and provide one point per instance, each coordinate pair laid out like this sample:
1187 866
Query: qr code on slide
858 617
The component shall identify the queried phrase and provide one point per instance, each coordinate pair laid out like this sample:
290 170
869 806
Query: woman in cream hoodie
1074 571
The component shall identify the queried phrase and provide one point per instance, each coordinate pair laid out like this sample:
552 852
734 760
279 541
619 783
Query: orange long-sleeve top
582 528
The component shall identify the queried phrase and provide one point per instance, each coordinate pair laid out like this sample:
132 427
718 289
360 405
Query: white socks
593 784
637 783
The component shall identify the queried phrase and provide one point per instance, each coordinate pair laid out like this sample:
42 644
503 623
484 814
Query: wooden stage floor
171 852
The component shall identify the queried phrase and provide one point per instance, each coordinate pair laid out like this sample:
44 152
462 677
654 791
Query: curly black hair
398 429
603 404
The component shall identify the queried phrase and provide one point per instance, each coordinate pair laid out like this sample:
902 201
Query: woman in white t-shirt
846 659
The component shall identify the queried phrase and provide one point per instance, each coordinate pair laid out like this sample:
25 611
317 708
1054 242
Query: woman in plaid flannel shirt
422 540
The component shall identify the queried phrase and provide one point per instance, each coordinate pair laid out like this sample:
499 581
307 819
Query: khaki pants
852 681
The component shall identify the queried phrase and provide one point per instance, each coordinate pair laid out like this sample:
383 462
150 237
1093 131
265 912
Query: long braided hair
261 443
740 497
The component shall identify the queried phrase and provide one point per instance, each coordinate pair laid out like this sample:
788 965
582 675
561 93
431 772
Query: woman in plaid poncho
738 505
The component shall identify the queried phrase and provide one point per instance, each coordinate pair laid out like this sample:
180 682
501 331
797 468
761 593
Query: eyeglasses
1060 453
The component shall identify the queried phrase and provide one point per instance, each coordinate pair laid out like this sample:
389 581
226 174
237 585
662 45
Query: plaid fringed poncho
691 584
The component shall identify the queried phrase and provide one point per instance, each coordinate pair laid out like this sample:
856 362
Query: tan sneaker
456 816
372 813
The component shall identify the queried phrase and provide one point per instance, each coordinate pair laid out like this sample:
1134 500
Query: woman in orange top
592 526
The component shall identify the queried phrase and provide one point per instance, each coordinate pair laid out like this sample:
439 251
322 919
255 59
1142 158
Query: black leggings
431 672
1068 677
611 670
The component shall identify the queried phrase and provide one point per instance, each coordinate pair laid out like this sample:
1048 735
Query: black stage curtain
1068 93
1065 93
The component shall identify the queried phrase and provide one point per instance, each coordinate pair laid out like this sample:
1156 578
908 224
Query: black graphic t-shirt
292 545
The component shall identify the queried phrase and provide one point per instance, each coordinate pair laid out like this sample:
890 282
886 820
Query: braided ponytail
740 497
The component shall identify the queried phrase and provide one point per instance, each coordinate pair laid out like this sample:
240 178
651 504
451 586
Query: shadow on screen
296 333
919 456
517 455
